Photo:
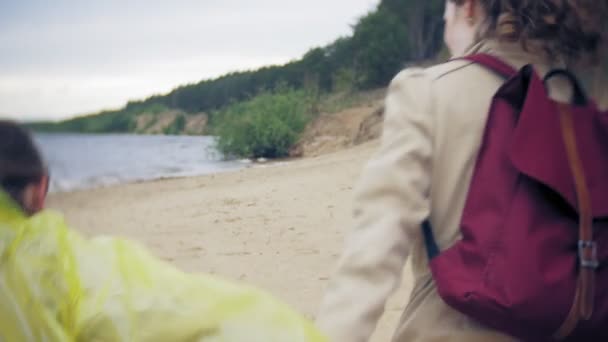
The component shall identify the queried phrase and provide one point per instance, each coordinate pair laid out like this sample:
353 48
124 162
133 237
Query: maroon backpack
532 259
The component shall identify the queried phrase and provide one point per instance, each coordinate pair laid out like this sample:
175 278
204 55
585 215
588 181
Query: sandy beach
279 226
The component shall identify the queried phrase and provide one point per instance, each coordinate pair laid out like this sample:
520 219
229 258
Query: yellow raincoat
56 285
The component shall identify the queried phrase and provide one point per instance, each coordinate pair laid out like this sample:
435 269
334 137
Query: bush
265 126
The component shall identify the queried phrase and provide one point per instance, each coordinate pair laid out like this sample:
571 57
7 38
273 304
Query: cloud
76 57
56 97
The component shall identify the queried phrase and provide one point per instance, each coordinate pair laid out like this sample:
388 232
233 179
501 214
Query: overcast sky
63 58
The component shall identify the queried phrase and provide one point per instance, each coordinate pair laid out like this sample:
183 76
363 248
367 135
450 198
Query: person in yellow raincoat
55 285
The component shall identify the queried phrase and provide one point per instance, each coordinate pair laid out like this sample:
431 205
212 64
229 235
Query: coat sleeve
391 201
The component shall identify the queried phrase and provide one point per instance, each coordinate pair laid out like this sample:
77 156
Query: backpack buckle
592 263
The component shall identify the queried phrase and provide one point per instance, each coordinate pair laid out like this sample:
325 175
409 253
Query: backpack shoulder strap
493 63
506 71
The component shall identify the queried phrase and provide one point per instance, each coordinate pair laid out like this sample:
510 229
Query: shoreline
249 164
279 227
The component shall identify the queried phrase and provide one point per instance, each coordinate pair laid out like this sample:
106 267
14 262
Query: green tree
424 24
380 42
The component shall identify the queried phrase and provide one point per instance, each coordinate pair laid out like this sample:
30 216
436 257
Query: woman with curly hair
433 130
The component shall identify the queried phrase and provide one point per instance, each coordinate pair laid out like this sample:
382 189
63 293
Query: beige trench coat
433 127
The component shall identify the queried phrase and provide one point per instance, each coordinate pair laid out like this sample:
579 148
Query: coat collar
515 54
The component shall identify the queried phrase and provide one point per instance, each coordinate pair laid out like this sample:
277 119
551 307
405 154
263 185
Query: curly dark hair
572 29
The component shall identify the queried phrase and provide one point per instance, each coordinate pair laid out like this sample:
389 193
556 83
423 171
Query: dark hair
572 29
20 161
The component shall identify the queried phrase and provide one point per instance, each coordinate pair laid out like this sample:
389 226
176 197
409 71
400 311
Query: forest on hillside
382 42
